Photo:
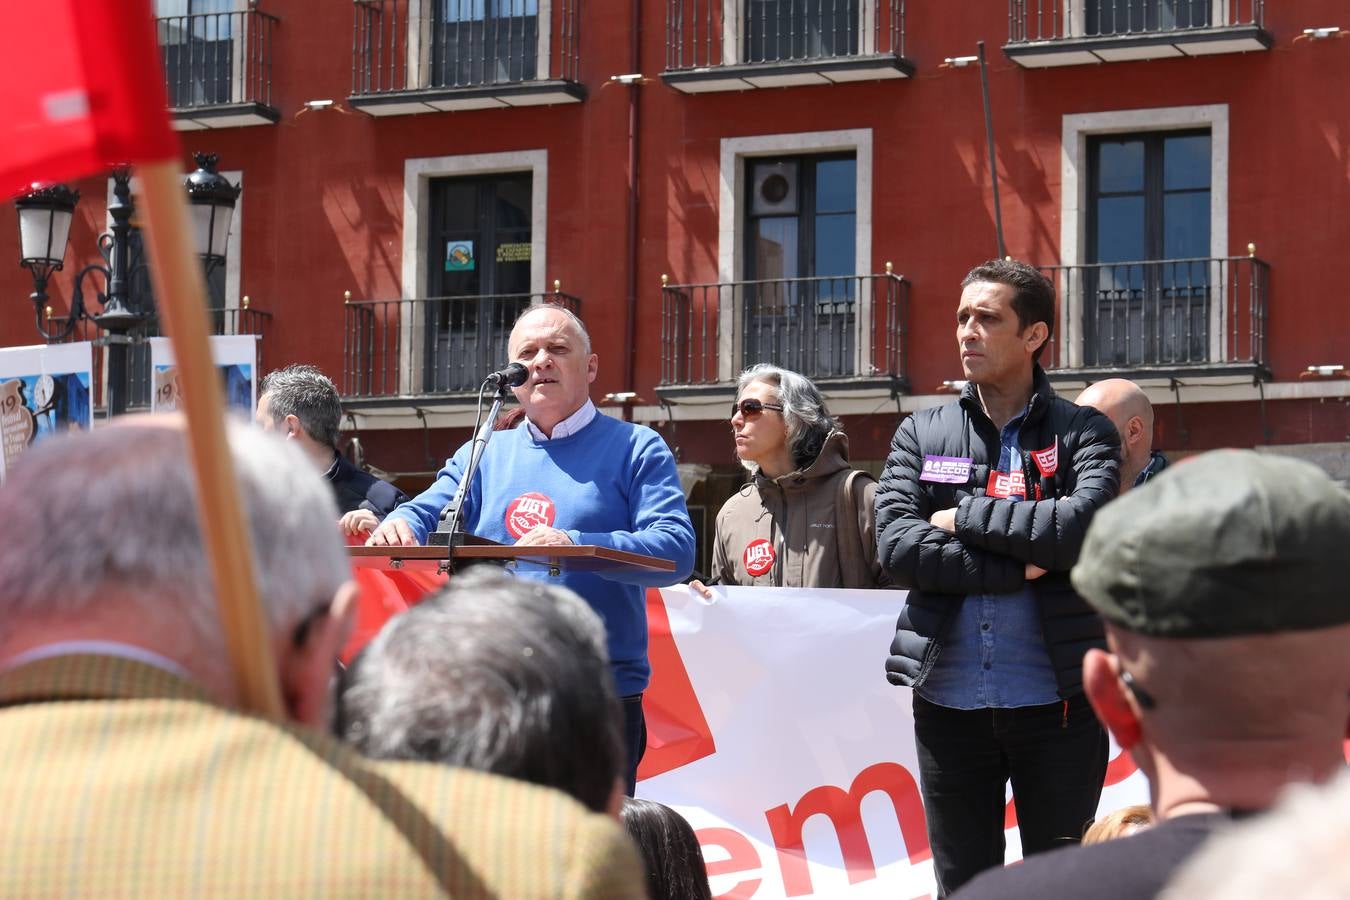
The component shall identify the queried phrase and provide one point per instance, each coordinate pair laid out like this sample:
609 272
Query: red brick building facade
802 181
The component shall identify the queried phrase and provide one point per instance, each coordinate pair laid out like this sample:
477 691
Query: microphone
512 376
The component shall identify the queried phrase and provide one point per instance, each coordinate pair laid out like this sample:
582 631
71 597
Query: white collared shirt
568 426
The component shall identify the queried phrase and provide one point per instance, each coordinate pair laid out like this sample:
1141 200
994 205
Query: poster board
44 389
236 358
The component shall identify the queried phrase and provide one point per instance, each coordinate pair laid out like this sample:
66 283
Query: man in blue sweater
571 476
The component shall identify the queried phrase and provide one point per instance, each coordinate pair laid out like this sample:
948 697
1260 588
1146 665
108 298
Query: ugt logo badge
758 557
527 512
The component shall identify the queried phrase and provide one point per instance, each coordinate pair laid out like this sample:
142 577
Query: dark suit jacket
355 489
121 780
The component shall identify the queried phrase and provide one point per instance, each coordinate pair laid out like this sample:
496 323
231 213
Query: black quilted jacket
995 538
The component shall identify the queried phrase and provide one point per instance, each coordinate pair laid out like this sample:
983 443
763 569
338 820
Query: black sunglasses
752 407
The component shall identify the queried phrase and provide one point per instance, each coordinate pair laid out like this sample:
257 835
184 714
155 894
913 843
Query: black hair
1033 294
670 851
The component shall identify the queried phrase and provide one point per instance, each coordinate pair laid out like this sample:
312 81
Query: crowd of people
1062 582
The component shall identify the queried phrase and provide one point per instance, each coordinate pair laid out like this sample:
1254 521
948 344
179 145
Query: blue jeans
1055 756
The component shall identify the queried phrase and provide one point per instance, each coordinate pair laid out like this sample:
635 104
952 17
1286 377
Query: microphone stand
450 516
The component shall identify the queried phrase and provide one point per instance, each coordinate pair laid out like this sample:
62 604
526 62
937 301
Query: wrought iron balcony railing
847 327
140 376
1069 32
218 68
1164 316
430 347
411 56
772 43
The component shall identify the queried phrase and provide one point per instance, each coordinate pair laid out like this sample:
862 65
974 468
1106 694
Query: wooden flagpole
180 291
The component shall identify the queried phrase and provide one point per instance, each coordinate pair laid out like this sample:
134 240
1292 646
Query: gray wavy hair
808 421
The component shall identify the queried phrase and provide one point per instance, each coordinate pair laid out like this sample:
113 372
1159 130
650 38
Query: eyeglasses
750 407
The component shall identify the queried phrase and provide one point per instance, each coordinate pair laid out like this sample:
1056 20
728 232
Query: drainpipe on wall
634 82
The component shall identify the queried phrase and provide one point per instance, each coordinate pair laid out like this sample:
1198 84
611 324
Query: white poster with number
236 358
775 733
44 389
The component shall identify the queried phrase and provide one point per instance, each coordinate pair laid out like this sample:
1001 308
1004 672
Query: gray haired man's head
500 674
109 518
307 394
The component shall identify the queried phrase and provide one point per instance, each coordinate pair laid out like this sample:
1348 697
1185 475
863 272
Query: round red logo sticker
528 511
758 557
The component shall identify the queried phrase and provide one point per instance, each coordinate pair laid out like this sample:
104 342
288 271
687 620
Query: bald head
553 313
1128 408
552 343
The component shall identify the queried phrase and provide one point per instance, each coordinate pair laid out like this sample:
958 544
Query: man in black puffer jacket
981 512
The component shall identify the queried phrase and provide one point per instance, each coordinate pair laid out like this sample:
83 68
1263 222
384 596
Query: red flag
83 89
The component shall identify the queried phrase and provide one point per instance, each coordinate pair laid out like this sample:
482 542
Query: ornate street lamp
44 229
212 198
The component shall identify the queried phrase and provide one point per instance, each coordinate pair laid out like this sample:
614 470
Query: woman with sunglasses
805 518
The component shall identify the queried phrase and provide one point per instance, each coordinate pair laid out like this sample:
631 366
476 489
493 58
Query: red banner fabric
83 90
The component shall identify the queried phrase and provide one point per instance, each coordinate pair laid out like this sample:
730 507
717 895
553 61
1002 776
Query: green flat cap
1228 543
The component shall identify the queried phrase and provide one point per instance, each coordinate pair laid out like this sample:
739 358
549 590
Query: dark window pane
1186 162
835 241
484 42
800 29
836 186
513 203
1186 225
776 247
1120 229
460 202
1125 16
1120 166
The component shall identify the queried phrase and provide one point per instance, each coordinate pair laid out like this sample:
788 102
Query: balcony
1074 32
844 330
218 69
740 45
1168 318
140 377
399 350
417 56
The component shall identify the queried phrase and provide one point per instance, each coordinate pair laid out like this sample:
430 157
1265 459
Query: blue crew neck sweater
612 484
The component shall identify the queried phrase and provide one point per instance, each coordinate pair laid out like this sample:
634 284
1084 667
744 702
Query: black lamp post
44 230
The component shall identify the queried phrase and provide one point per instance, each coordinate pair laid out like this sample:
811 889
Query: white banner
775 733
235 356
43 389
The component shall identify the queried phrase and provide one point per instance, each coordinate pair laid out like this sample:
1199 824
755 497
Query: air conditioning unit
775 189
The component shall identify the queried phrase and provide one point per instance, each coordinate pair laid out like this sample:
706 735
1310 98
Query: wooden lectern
585 557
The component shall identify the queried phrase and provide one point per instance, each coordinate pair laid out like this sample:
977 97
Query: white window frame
731 224
733 28
418 63
417 176
1074 186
